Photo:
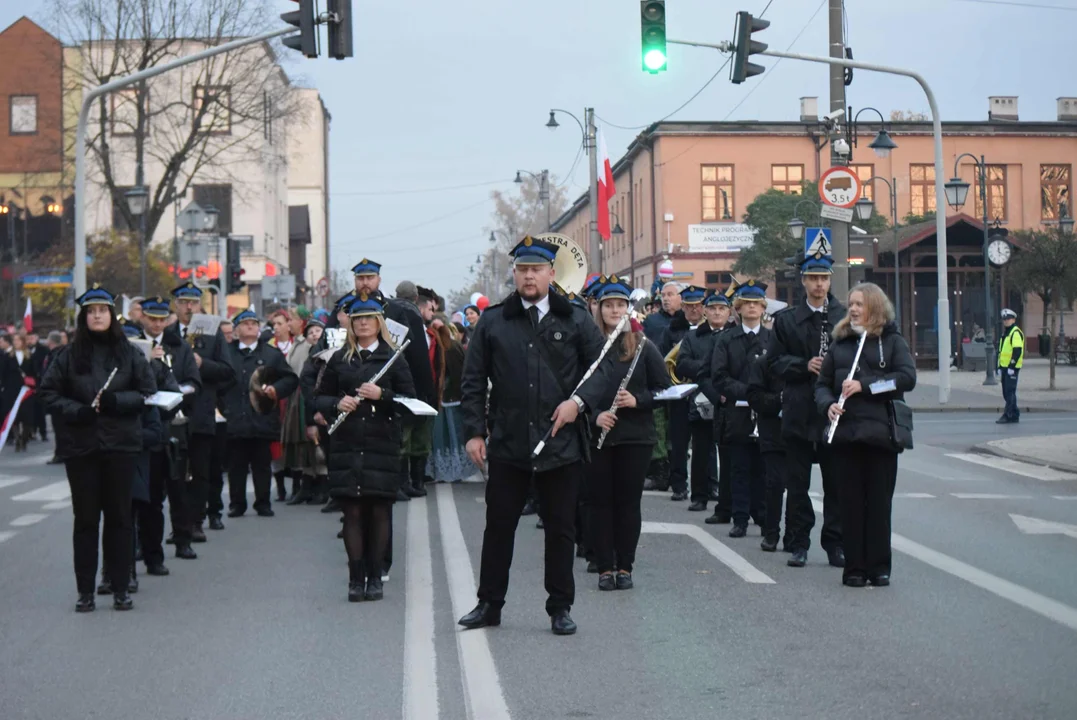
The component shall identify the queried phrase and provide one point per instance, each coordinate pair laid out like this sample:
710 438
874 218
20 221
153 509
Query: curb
981 409
999 452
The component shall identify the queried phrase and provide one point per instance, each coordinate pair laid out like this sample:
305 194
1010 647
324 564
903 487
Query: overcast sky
458 93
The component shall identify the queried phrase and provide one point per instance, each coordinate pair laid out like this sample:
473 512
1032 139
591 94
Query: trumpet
385 368
624 385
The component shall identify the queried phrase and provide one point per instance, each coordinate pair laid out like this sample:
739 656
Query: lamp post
864 209
882 144
796 225
957 191
137 199
544 189
589 135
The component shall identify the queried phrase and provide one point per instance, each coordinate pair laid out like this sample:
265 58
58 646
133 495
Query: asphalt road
981 621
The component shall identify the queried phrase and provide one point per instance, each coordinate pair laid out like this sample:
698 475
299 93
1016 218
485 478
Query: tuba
671 364
570 263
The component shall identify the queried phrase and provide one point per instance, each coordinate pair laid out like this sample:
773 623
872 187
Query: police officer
1011 356
802 333
534 347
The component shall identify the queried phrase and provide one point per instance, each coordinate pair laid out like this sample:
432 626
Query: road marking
1064 497
29 461
28 519
948 478
989 496
1036 526
1039 604
420 654
48 493
7 535
914 496
483 695
725 555
1037 472
8 482
58 505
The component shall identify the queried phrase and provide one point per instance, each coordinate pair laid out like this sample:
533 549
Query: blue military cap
366 305
692 295
752 291
187 290
131 330
367 267
614 287
156 307
343 302
96 295
244 315
590 288
577 300
530 251
817 264
716 298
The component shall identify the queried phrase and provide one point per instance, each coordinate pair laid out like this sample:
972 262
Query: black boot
300 490
319 494
332 506
373 587
356 580
282 492
405 482
132 584
418 476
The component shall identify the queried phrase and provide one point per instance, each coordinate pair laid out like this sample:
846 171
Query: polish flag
605 187
28 317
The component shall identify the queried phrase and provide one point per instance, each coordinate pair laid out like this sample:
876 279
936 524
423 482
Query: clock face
998 252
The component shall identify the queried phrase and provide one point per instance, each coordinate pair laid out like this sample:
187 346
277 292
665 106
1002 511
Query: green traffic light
654 60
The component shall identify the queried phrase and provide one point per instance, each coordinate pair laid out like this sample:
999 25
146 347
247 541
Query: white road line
16 480
914 496
7 535
1037 472
48 493
28 461
420 654
725 555
989 496
28 519
1064 497
58 505
936 476
1039 604
482 686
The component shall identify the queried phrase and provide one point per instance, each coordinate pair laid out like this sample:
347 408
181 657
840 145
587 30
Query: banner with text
720 238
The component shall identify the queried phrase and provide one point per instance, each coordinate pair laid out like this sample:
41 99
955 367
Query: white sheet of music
397 331
676 392
164 399
416 407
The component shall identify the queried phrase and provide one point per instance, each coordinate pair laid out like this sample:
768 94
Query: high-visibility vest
1013 338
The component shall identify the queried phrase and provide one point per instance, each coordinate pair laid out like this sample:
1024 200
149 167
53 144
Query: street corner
1058 452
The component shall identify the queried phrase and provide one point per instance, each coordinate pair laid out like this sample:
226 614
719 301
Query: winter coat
507 351
795 340
867 414
182 366
417 354
635 426
734 353
243 420
654 326
454 370
694 365
68 393
153 435
214 375
674 332
364 455
765 398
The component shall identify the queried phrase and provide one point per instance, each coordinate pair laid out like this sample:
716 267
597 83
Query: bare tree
909 116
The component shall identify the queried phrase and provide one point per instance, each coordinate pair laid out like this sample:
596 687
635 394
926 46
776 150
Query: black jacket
183 368
68 395
734 353
694 365
214 375
526 390
37 361
765 397
867 414
673 333
243 420
416 354
795 340
635 426
654 326
10 383
454 370
364 455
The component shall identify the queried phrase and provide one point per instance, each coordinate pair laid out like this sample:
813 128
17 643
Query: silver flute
385 368
623 386
841 401
97 399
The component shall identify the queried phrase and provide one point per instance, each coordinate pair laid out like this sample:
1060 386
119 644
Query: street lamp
882 144
553 124
213 216
589 131
864 210
544 189
138 199
617 229
957 191
796 225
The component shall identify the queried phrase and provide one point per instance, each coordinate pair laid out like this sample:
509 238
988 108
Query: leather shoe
592 567
561 623
769 545
197 534
606 581
215 522
679 496
484 615
236 512
122 601
857 581
332 506
698 506
414 492
880 580
799 559
156 569
624 580
85 603
171 539
718 519
738 531
529 508
185 552
402 496
265 512
837 557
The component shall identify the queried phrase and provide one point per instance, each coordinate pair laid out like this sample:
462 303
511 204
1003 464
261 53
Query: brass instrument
671 364
261 377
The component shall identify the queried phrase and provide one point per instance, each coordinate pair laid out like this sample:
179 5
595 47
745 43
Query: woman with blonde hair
874 425
285 341
448 460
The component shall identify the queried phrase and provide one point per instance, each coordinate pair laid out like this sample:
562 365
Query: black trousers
724 506
101 485
799 457
163 482
774 468
616 476
38 406
506 493
215 486
867 476
1009 393
249 454
200 457
679 437
747 479
704 459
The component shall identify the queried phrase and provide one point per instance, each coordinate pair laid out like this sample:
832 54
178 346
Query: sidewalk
1054 451
968 393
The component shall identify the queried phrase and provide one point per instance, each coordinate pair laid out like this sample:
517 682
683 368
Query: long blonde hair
351 343
878 311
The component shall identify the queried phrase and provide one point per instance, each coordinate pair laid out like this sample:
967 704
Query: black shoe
769 545
301 491
836 557
698 506
719 519
215 522
132 584
105 588
156 569
356 579
416 491
624 580
738 531
402 496
484 615
580 551
592 567
652 484
799 559
561 623
282 492
606 581
373 587
880 580
171 539
122 601
679 496
197 534
56 461
184 552
85 603
529 508
1003 421
332 506
857 581
540 525
265 512
236 512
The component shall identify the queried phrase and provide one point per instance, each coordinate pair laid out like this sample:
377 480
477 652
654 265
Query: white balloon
475 297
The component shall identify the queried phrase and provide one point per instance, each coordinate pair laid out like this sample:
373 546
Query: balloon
483 302
474 298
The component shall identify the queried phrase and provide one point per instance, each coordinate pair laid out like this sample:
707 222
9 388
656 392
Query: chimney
809 109
1067 109
1002 107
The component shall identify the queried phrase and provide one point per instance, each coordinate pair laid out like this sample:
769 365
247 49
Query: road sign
832 212
192 218
322 288
279 287
817 241
193 254
839 186
47 280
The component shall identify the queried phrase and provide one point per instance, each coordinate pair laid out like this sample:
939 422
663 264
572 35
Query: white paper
218 417
416 407
146 346
883 386
202 324
335 337
164 399
397 331
676 392
741 403
188 389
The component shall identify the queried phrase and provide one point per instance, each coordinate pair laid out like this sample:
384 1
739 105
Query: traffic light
340 29
653 26
306 41
234 268
746 47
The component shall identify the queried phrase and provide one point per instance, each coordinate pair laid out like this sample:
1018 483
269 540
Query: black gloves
86 415
109 406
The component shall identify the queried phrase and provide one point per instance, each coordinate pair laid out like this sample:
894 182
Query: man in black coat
534 348
251 432
685 320
798 344
765 399
38 353
668 302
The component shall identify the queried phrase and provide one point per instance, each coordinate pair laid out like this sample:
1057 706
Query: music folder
676 392
164 399
416 407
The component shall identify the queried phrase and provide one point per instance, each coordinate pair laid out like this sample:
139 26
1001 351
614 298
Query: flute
841 400
586 376
97 400
385 368
623 386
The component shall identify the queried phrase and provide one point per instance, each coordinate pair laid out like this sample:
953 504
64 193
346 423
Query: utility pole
595 249
840 231
544 194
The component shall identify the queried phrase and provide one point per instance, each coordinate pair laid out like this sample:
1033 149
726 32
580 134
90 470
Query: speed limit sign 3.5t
839 186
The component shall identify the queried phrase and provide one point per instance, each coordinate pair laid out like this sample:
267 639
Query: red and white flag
28 317
9 421
605 187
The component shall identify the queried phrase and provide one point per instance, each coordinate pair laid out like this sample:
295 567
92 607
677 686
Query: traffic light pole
92 94
840 240
943 325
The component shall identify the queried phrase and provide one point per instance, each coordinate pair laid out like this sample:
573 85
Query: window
1055 191
922 189
220 197
217 117
787 178
996 192
717 192
712 279
124 112
865 173
22 111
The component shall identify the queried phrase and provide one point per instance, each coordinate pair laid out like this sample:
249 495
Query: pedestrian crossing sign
817 242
